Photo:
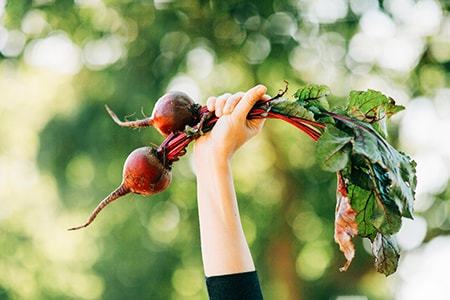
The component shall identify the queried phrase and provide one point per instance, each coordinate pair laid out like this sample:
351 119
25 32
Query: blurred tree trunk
282 264
281 252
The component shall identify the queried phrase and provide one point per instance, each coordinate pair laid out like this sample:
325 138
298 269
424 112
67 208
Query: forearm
224 247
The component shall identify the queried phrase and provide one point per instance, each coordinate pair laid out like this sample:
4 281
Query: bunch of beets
148 170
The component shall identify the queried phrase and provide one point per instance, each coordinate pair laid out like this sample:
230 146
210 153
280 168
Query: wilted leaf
345 227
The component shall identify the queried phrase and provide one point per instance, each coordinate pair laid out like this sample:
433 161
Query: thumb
249 99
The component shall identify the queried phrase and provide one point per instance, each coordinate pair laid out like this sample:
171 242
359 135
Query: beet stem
300 124
174 145
116 194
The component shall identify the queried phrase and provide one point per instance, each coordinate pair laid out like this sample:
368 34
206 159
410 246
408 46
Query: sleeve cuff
234 286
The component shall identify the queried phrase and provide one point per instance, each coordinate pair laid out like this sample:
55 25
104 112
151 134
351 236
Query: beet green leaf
380 180
372 107
305 98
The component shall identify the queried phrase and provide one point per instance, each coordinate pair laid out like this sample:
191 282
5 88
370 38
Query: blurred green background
61 154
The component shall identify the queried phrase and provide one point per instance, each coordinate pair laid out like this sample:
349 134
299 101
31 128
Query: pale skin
224 247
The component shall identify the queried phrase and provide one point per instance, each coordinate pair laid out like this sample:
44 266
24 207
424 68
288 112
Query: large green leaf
372 216
392 172
333 149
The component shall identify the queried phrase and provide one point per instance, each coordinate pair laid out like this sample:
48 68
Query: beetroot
171 114
143 173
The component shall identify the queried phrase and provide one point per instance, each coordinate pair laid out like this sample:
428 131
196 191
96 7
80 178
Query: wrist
211 164
209 156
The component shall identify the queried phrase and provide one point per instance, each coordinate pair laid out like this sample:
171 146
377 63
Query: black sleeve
242 286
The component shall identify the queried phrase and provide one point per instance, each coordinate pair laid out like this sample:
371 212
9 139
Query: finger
248 100
220 103
211 103
231 102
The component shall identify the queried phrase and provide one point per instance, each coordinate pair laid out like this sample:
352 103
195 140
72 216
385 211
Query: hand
233 128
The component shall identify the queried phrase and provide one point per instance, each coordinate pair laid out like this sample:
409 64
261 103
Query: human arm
224 247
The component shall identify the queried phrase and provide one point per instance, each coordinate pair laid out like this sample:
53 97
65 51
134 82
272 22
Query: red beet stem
175 145
304 125
116 194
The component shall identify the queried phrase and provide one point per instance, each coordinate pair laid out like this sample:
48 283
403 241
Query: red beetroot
143 173
171 114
